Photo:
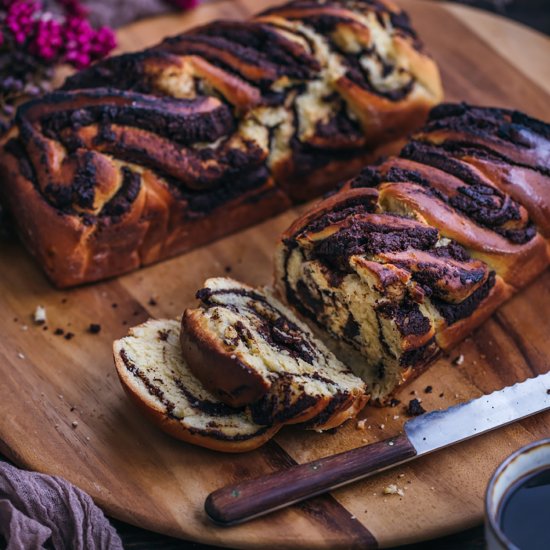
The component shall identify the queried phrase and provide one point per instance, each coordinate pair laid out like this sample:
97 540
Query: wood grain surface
65 413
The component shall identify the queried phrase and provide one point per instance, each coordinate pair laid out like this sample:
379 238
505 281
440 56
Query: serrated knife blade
438 429
423 434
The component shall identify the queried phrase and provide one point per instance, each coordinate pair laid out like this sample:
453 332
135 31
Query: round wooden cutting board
64 412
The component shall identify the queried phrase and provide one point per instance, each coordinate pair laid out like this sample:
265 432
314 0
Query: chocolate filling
173 119
407 317
364 237
125 196
277 407
280 51
274 327
455 312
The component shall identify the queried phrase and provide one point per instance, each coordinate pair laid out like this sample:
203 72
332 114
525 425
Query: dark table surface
536 14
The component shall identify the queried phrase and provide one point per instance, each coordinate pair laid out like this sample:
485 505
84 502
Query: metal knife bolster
432 431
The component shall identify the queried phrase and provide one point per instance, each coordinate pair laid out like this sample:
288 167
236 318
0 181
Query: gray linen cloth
39 511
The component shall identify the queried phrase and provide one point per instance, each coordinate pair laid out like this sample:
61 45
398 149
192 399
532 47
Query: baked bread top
153 373
481 176
269 111
249 349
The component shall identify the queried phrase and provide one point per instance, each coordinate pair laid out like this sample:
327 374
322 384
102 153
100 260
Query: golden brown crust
150 154
223 373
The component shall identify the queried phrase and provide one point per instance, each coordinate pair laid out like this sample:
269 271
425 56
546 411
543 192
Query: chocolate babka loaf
149 154
416 252
155 376
250 350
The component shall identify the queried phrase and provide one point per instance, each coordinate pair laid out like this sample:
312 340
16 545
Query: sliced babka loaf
249 349
389 287
154 374
414 253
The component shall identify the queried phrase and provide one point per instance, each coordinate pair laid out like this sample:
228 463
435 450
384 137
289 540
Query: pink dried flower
78 34
48 39
20 19
73 8
185 4
102 42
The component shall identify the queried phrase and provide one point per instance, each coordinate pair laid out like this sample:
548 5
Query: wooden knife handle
255 497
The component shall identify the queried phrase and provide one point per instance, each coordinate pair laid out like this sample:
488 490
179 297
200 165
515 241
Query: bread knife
421 435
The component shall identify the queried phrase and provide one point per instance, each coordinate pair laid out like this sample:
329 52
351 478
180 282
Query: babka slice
155 376
249 349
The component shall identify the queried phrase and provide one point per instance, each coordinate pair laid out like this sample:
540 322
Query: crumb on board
94 328
152 301
20 355
74 423
428 389
69 336
414 408
39 315
458 360
382 426
393 489
59 332
394 402
361 424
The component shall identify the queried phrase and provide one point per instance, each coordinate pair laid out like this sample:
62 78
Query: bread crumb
415 408
401 475
20 355
396 417
393 489
353 517
24 327
382 426
361 424
40 315
458 360
74 423
94 328
364 440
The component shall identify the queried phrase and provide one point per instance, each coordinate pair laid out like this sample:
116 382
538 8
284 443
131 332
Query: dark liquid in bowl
525 514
